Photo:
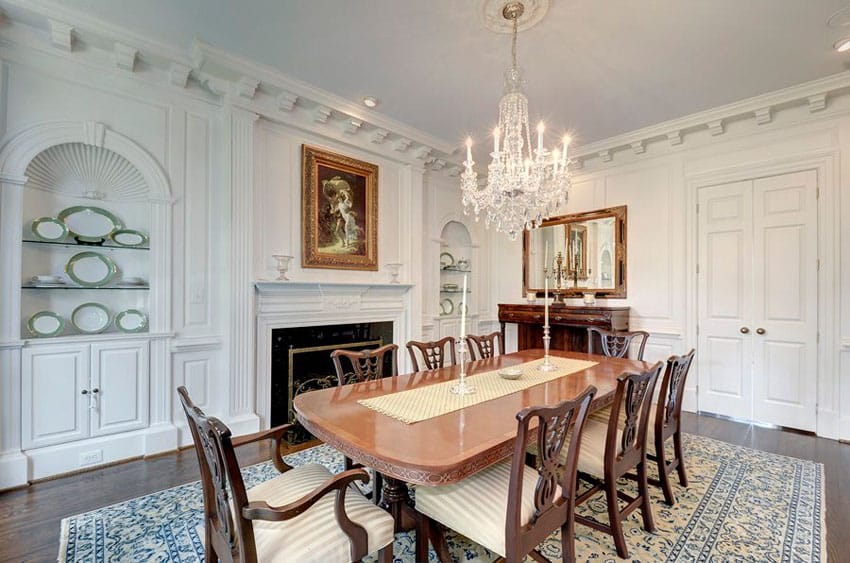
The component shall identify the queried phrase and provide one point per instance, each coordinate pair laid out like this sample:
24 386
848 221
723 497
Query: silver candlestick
547 363
462 387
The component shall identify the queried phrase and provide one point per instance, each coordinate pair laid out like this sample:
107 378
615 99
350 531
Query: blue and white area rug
741 504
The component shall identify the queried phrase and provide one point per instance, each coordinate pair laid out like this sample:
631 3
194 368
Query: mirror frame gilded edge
620 262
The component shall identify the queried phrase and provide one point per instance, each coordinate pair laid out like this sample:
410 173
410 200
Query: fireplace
301 359
307 321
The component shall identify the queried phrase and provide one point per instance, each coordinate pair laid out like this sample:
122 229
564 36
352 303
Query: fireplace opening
301 361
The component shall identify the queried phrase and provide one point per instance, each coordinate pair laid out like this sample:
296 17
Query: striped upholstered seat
477 506
314 535
510 507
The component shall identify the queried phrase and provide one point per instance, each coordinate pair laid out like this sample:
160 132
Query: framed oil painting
339 207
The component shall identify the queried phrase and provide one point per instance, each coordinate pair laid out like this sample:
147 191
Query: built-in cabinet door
725 299
119 379
55 405
785 300
757 287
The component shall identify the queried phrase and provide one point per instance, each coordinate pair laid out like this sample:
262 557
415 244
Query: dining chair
610 450
433 353
665 422
616 343
365 365
510 507
304 514
484 346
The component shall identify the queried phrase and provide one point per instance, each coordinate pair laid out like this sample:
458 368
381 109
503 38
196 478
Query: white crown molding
61 35
286 101
220 62
246 87
178 74
125 56
762 108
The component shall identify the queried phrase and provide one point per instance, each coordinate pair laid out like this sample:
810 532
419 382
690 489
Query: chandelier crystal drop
524 185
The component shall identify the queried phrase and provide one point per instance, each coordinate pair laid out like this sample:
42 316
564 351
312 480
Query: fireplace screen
301 362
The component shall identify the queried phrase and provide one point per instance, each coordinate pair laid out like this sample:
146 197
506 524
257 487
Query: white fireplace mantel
286 304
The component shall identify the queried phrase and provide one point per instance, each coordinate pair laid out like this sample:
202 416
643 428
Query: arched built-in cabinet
457 260
85 239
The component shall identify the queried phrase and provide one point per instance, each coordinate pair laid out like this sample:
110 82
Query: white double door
757 286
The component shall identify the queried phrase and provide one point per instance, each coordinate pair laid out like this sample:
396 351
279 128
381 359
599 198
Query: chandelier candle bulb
540 129
566 144
469 152
496 135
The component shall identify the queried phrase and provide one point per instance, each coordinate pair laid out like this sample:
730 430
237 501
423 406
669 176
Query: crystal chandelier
524 186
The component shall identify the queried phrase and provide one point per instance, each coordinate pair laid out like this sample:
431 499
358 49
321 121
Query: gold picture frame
339 211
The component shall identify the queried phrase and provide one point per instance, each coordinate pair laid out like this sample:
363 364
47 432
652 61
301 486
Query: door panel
54 409
724 287
120 375
785 299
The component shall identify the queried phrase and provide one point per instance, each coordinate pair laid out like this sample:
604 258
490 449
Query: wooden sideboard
568 325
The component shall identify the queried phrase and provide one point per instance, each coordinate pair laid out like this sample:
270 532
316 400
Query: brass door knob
744 330
760 331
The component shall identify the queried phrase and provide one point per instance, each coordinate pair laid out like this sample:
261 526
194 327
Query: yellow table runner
415 405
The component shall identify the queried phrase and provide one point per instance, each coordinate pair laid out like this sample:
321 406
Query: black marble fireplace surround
301 361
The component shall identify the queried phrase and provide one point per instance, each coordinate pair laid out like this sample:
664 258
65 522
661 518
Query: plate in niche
90 224
131 320
45 324
49 229
129 237
91 269
90 318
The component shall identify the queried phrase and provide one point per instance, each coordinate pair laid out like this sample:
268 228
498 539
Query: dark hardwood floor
29 517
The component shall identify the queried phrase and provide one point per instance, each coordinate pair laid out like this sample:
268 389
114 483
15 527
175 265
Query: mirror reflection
584 252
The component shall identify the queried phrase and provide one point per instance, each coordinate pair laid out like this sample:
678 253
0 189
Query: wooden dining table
452 446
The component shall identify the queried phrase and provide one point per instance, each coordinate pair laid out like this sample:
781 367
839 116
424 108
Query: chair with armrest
510 507
365 365
433 354
485 346
303 514
612 448
616 343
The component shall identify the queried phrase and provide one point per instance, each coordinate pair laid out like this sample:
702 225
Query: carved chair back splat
485 346
365 365
433 354
616 344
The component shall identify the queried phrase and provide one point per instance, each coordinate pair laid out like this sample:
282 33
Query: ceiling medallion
492 14
524 185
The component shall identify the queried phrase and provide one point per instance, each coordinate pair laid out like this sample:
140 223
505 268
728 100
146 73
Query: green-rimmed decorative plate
90 318
131 320
446 307
49 229
90 224
446 260
45 324
91 269
129 237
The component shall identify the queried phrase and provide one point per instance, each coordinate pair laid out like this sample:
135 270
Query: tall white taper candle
463 311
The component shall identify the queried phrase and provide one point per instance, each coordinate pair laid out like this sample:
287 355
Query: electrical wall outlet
88 458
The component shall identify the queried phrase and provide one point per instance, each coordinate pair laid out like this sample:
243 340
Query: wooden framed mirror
587 253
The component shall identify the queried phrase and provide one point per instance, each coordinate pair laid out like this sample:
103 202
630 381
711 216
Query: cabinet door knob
760 331
95 390
744 330
84 392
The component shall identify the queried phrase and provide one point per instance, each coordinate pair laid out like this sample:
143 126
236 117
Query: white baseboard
161 438
13 470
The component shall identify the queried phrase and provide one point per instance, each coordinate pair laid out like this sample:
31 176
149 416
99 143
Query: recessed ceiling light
842 45
370 102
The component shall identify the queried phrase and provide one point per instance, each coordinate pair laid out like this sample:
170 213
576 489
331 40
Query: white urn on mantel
282 265
394 268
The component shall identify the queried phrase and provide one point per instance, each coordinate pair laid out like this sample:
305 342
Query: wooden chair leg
377 487
386 555
422 527
568 538
646 505
677 444
615 518
438 540
210 556
663 475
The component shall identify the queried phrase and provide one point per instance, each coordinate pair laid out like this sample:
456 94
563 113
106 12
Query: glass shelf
455 269
85 246
121 287
454 291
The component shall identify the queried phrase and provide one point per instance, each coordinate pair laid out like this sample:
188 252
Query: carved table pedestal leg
396 500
